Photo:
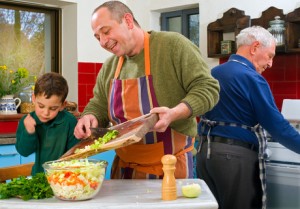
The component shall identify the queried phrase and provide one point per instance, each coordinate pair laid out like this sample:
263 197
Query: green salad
75 179
99 142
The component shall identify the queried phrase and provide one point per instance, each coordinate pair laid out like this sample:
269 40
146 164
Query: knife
100 132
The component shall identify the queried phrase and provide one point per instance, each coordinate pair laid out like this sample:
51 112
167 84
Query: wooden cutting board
130 132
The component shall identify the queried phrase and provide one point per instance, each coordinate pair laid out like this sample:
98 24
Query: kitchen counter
125 194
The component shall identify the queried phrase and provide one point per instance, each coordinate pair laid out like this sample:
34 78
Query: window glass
194 28
28 38
175 24
185 22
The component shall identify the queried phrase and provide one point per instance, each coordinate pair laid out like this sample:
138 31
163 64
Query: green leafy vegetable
25 188
99 142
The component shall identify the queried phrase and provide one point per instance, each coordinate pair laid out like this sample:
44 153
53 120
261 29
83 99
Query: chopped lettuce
76 179
99 142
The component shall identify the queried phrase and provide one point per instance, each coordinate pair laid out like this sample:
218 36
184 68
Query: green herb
99 142
25 188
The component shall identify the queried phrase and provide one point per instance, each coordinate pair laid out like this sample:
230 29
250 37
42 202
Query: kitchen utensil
130 132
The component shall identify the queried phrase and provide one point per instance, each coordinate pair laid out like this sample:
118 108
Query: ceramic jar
9 104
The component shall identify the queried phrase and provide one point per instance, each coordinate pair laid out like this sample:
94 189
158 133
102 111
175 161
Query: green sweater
179 75
50 140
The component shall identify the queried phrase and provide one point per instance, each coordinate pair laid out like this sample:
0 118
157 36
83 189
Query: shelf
12 117
293 30
233 20
17 117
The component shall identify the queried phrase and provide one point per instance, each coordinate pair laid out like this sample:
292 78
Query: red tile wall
87 73
283 77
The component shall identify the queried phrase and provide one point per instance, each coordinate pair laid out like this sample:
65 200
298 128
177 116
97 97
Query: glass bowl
79 179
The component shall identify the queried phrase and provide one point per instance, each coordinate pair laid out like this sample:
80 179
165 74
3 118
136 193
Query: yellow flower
13 81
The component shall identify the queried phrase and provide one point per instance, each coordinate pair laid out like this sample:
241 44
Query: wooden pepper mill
169 189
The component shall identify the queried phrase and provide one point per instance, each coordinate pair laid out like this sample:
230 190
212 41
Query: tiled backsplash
87 73
283 78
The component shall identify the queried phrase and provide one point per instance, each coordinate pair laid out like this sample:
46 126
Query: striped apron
130 98
263 152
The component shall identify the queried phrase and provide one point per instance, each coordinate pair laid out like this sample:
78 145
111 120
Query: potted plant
11 82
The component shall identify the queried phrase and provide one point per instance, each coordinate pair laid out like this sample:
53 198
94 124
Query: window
185 22
29 37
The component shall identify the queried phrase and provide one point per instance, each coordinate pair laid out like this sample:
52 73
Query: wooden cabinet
233 20
293 31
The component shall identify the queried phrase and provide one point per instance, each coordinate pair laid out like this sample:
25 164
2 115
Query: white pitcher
9 104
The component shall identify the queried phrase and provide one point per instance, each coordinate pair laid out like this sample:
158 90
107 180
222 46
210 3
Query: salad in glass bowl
79 179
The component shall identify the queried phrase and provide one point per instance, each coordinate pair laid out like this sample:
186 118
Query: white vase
9 105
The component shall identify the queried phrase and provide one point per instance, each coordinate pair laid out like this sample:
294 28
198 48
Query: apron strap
119 66
263 153
146 57
147 53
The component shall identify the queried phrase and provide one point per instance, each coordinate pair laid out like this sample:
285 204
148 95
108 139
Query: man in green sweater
49 130
157 72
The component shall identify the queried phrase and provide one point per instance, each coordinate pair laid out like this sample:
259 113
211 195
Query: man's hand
29 124
168 115
82 129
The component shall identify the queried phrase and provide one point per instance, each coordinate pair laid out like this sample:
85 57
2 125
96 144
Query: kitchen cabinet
233 20
9 156
293 31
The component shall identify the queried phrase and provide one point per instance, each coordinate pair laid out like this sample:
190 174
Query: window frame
184 14
56 28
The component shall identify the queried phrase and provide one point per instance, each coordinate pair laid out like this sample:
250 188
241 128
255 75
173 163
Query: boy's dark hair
51 84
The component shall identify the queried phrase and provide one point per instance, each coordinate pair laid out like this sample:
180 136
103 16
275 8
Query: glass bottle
277 30
26 100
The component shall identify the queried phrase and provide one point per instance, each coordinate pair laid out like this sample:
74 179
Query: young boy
47 131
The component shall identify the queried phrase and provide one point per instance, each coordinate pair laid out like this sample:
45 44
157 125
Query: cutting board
130 132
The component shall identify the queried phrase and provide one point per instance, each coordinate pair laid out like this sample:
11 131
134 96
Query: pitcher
9 104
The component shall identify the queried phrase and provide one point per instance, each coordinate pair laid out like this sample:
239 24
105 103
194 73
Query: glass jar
277 30
26 99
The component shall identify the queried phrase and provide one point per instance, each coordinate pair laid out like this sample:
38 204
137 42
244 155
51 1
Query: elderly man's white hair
255 33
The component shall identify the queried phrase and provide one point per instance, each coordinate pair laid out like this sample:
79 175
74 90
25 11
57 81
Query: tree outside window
28 38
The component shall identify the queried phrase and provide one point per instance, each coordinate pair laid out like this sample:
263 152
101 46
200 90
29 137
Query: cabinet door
28 159
107 156
9 156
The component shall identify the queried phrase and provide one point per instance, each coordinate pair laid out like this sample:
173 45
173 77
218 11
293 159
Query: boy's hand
29 124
